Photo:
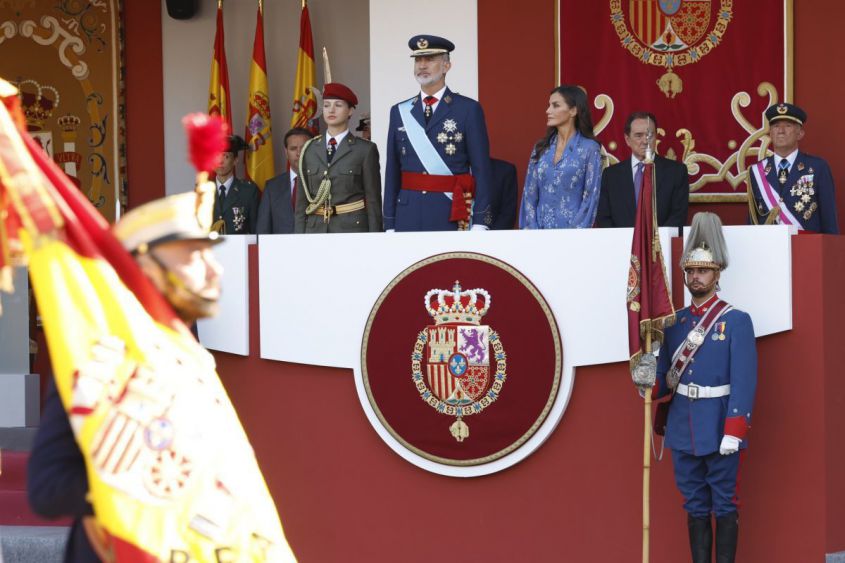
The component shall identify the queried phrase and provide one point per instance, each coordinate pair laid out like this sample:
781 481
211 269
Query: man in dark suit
620 183
236 200
276 211
504 194
792 187
437 175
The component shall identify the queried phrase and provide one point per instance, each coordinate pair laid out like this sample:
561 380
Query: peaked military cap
789 112
424 45
185 216
236 144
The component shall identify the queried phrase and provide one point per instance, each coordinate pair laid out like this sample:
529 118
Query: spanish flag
304 99
171 474
219 102
259 157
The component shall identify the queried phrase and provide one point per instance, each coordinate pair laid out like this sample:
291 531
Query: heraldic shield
456 353
431 372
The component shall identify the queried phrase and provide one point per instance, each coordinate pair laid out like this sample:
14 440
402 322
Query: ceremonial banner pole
647 463
649 311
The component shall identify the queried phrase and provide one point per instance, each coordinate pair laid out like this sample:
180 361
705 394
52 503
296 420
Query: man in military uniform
708 370
438 171
172 244
791 187
236 201
340 187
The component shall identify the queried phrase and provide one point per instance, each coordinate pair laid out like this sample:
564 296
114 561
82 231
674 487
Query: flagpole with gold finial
649 159
327 69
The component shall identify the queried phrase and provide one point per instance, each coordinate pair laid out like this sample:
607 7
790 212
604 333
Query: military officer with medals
340 188
708 370
792 187
438 173
236 200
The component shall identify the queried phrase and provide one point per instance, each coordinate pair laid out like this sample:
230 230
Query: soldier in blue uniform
708 368
792 187
438 171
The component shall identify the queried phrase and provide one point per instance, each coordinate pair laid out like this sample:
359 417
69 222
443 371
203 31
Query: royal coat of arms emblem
670 33
458 365
459 374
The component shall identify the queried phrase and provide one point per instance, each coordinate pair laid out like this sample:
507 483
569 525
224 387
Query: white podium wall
581 273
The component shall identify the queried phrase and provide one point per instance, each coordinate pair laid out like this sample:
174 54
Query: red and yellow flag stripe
259 133
304 98
219 102
170 471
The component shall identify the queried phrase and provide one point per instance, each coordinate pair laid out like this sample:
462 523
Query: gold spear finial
327 70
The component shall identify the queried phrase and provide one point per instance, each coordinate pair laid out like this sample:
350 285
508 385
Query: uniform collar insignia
704 307
800 166
447 98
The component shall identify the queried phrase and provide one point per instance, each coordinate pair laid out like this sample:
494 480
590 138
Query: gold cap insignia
422 43
782 109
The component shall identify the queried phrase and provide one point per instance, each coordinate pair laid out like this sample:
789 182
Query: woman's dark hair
574 97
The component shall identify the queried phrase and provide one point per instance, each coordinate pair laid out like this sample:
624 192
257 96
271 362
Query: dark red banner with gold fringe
707 69
649 301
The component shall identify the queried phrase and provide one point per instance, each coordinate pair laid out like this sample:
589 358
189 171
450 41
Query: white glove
478 227
730 445
390 230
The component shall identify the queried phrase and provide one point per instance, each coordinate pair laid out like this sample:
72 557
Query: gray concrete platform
32 544
17 439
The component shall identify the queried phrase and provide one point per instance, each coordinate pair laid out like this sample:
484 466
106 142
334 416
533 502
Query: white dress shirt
438 95
226 185
339 137
789 158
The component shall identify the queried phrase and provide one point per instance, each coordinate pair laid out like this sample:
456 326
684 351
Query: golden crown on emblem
38 101
457 305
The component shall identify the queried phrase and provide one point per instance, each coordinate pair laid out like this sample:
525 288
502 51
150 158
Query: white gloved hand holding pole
730 445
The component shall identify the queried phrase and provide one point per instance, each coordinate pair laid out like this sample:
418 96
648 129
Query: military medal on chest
238 218
449 136
451 361
804 191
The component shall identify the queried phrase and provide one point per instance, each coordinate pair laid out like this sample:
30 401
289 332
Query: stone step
17 439
32 544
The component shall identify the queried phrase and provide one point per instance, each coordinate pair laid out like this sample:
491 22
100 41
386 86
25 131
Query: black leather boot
727 531
700 538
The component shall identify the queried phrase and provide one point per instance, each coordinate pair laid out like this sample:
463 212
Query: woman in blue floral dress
564 172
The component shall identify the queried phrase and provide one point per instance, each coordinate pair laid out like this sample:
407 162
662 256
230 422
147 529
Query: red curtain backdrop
684 61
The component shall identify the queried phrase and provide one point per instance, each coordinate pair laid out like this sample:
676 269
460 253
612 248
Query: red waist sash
458 185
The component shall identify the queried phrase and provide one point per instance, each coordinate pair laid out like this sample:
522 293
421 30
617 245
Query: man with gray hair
438 171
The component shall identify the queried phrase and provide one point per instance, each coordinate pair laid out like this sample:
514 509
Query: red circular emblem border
522 319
